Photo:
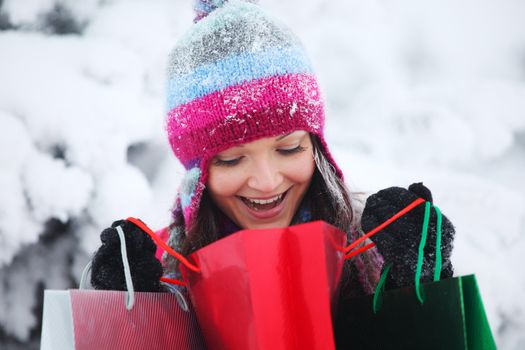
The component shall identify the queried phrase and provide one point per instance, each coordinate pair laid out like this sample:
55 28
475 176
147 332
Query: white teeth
266 201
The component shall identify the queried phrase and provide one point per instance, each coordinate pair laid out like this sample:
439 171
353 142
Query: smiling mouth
262 205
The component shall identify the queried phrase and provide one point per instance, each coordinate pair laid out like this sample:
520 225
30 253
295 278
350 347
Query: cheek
224 183
301 169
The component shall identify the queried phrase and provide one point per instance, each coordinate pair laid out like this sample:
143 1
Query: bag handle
130 295
419 267
163 244
349 250
351 253
422 243
83 284
130 290
160 243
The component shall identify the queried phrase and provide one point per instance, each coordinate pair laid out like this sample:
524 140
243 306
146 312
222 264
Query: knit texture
236 76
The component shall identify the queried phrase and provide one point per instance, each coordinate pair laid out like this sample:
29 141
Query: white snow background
415 91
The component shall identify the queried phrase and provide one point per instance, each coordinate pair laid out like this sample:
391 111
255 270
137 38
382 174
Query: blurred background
430 91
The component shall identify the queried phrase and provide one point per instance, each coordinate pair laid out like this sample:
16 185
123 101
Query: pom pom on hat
203 8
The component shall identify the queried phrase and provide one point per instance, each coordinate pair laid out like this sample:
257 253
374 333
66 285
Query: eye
229 162
291 150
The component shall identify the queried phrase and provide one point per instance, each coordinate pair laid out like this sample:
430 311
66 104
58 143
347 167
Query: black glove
107 271
399 242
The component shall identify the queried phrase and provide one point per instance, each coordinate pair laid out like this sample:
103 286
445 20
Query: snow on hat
236 76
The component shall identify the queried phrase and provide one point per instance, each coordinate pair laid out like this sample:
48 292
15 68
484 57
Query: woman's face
261 184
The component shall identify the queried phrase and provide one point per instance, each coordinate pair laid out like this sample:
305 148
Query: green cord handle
422 243
437 269
380 288
419 268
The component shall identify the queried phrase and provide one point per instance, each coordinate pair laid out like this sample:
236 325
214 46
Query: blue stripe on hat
234 70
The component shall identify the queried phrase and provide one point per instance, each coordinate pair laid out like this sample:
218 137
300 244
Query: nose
265 176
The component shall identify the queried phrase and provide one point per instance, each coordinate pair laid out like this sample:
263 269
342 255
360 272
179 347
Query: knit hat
236 76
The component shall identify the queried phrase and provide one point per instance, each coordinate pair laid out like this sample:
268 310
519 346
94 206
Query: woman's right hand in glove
107 271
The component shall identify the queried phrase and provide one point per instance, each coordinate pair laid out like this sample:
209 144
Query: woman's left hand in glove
399 242
107 271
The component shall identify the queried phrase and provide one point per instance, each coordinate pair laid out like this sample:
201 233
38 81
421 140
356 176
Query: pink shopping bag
91 319
96 319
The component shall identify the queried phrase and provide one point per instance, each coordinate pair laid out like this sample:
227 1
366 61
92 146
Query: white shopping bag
57 325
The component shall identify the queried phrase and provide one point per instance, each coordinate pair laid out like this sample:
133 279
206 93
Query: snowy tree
415 92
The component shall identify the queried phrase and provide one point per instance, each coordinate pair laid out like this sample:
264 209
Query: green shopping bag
452 317
445 314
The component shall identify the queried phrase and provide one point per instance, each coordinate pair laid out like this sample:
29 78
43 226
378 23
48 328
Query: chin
267 225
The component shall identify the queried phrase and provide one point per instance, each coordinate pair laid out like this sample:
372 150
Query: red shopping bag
269 289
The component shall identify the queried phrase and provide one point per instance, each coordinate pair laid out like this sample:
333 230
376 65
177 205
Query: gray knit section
251 32
168 261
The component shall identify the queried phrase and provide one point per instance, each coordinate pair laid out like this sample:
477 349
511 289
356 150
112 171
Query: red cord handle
348 249
163 245
399 214
172 281
359 250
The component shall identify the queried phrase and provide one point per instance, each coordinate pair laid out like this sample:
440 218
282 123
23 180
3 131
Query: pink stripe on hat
244 112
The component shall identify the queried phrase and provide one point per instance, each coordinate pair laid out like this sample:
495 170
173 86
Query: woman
246 119
245 116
